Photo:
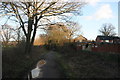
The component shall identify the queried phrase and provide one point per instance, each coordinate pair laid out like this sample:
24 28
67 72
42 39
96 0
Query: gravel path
50 69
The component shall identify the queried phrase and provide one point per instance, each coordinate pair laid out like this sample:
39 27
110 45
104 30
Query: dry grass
84 64
16 65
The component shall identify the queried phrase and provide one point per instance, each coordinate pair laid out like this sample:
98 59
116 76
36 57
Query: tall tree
107 30
31 15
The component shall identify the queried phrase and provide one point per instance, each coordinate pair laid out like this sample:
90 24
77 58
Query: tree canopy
60 33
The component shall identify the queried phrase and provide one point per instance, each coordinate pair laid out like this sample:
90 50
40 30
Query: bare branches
31 13
107 30
6 33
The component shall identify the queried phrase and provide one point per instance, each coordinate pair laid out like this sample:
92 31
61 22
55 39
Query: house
80 39
108 39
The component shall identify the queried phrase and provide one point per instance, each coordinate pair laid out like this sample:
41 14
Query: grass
16 65
72 63
85 64
62 66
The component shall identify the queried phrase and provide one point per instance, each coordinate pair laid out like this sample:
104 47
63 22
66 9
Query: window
106 40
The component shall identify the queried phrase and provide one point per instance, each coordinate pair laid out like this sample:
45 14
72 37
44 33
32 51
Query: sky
94 15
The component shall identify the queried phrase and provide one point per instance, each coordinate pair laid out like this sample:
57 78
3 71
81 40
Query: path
50 69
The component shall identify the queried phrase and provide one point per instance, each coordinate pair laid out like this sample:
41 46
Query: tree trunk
34 32
27 46
28 37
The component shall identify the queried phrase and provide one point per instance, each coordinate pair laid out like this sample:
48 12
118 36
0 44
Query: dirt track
50 69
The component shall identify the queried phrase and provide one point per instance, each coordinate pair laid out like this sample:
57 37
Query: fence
114 48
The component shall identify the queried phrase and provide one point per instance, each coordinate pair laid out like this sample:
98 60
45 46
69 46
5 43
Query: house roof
107 37
80 38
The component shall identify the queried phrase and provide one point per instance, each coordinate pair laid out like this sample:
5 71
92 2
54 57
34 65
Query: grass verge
16 65
86 64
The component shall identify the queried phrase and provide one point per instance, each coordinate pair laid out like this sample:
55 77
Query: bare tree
37 13
18 35
107 30
74 29
6 33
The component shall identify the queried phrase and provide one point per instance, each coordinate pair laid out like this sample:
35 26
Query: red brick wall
107 48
